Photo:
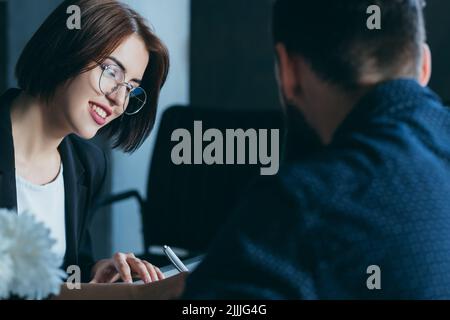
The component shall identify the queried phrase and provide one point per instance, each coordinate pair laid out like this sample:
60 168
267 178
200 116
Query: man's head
326 52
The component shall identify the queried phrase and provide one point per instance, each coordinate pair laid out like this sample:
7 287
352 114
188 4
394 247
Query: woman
104 78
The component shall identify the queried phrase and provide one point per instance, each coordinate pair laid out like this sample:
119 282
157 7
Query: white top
46 203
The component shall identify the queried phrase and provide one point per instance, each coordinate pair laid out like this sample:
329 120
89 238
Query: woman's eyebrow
121 66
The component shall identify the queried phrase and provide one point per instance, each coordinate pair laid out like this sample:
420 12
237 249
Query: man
365 214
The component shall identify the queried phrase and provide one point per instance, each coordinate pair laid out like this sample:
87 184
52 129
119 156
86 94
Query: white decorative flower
29 268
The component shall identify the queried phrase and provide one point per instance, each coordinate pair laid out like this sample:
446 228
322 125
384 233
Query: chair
186 205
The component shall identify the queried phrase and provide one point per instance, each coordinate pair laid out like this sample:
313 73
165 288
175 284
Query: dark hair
56 54
333 37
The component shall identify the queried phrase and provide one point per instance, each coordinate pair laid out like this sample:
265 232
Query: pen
175 260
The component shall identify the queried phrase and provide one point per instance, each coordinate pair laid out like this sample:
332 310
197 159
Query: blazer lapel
75 200
8 195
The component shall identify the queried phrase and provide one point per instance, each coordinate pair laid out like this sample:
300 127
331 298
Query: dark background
3 48
437 14
232 55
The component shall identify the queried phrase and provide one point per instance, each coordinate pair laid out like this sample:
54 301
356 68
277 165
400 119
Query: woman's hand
125 266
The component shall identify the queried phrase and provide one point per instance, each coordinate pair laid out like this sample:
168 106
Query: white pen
175 260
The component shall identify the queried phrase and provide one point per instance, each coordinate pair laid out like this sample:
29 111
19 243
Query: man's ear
286 72
426 65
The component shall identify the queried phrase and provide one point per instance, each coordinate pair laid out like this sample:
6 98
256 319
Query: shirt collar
389 97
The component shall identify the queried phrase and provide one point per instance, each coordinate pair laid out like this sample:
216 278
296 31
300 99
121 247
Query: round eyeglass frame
104 68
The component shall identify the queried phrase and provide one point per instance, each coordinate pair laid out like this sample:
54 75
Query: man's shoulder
323 172
300 182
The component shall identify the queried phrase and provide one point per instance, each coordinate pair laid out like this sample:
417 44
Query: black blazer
84 177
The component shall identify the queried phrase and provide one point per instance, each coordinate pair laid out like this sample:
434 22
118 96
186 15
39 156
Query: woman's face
84 108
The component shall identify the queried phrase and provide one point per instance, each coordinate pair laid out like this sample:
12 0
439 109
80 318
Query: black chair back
187 204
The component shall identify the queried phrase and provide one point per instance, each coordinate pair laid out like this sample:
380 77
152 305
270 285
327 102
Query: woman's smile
99 112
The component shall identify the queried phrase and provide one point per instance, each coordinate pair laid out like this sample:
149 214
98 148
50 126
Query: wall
3 45
232 56
438 26
25 16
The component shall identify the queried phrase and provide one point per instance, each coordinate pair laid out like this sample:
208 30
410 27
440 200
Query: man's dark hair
333 37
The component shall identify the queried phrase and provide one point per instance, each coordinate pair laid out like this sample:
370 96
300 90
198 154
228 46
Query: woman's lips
108 110
99 120
98 114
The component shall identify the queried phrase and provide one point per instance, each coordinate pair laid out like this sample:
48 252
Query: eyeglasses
112 80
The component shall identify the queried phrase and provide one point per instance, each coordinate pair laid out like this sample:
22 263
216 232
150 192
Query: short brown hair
333 37
56 54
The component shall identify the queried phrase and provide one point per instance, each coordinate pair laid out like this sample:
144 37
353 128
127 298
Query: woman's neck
35 130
